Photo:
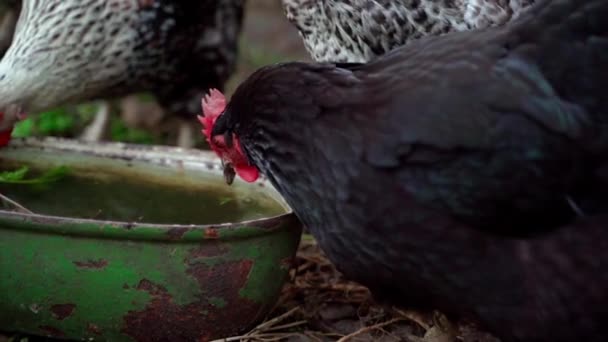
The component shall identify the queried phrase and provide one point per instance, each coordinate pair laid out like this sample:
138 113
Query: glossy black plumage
465 172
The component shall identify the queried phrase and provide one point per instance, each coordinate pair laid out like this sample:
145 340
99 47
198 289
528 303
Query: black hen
465 172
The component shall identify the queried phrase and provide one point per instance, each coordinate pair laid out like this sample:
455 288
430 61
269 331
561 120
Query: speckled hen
67 51
359 30
466 172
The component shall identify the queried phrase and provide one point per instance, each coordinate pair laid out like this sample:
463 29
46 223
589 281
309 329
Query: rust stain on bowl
212 233
164 320
177 233
210 250
94 329
95 264
51 331
62 311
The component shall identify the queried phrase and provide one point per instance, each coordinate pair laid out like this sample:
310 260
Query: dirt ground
319 305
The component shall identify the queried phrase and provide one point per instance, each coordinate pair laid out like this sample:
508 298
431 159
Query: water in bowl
110 195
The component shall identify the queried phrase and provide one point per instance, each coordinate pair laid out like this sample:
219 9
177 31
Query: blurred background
267 37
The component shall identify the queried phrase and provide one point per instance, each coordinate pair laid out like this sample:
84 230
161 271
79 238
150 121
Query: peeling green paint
119 281
99 272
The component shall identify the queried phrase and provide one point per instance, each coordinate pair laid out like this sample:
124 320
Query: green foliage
146 97
66 121
258 57
120 132
87 111
24 128
55 122
18 176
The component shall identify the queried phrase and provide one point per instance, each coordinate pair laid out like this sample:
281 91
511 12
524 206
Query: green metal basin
90 279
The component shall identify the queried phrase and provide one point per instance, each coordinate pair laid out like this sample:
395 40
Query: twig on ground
370 328
288 325
271 322
414 317
260 332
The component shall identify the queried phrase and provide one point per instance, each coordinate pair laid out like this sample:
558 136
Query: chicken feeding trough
131 245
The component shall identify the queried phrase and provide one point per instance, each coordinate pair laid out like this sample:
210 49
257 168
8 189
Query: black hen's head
274 106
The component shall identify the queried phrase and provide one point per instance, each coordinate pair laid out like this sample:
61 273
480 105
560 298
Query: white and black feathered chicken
68 51
359 30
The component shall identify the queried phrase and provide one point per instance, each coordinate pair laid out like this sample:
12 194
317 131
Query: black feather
444 173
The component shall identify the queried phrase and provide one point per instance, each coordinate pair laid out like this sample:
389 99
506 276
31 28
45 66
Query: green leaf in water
17 176
53 175
13 176
225 200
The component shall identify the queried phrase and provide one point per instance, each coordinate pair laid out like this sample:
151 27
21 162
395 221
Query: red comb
213 105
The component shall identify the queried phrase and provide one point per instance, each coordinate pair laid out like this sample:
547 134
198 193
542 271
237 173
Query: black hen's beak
220 127
229 173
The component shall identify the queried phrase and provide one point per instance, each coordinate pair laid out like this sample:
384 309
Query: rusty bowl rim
207 161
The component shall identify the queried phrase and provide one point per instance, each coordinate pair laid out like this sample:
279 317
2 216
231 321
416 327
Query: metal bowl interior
115 280
159 164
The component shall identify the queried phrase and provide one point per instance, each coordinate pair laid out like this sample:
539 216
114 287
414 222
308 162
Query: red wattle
247 173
